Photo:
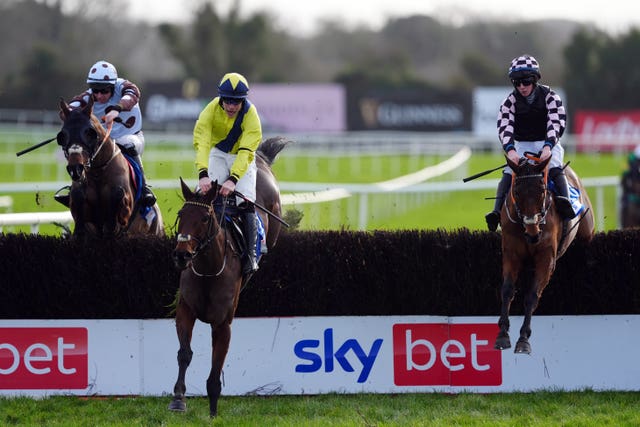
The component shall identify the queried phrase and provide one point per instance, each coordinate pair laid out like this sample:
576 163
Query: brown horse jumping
211 277
102 196
533 233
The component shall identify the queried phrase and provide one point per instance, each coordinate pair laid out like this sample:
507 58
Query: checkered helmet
524 66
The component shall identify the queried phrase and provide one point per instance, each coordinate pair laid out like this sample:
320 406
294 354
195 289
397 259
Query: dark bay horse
534 234
102 196
630 203
211 277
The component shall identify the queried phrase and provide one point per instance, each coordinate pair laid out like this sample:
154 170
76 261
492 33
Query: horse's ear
543 164
213 193
64 109
88 109
512 165
186 191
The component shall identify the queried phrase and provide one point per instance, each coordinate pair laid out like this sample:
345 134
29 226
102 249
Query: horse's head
80 137
197 224
529 196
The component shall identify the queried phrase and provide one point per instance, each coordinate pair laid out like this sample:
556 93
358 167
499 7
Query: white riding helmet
102 72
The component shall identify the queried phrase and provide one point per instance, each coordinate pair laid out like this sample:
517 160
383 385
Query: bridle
538 218
203 243
80 148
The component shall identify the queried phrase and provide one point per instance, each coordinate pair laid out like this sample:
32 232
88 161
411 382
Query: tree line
47 48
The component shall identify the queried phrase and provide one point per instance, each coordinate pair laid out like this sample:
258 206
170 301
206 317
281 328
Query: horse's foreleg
220 337
184 328
113 217
544 268
78 211
530 304
507 293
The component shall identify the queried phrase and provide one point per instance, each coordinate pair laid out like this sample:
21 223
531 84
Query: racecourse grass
543 408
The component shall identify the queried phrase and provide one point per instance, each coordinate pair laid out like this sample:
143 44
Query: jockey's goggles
232 101
525 82
101 89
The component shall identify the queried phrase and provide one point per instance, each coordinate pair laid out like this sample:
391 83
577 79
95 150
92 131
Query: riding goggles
525 82
232 101
103 89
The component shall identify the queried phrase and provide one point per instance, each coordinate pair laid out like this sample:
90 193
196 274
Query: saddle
574 197
228 214
135 174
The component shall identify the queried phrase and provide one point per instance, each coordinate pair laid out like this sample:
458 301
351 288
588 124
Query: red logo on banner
43 358
607 131
444 354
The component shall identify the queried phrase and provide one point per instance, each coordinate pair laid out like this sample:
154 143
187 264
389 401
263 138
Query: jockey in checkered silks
531 119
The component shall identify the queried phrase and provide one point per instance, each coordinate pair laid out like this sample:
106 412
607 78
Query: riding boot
562 201
250 229
493 217
63 198
147 198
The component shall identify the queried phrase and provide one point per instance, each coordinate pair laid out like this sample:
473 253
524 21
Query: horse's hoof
178 405
523 347
502 343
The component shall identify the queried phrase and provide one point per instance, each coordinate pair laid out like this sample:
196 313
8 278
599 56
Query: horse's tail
270 148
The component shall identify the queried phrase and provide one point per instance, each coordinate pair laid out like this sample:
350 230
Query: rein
104 140
203 244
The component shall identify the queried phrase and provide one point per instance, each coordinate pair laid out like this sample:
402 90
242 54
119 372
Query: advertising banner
607 130
409 109
315 355
295 107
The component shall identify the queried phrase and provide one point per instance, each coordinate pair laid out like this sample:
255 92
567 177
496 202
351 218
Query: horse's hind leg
220 336
507 293
184 328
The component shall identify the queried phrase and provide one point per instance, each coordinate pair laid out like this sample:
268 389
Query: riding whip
38 145
262 208
478 175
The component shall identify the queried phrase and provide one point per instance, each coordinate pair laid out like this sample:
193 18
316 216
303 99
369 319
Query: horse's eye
91 135
205 219
62 139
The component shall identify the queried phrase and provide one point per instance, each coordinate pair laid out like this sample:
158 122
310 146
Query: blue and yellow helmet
233 85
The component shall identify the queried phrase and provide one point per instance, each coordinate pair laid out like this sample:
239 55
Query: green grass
585 409
167 160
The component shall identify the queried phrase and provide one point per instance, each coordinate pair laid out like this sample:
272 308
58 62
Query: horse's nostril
182 258
532 239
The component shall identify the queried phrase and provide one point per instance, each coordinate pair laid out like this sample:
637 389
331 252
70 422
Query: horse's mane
100 130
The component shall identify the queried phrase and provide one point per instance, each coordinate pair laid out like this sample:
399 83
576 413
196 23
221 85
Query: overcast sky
615 16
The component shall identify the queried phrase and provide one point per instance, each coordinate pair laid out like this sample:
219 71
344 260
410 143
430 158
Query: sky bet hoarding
311 355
